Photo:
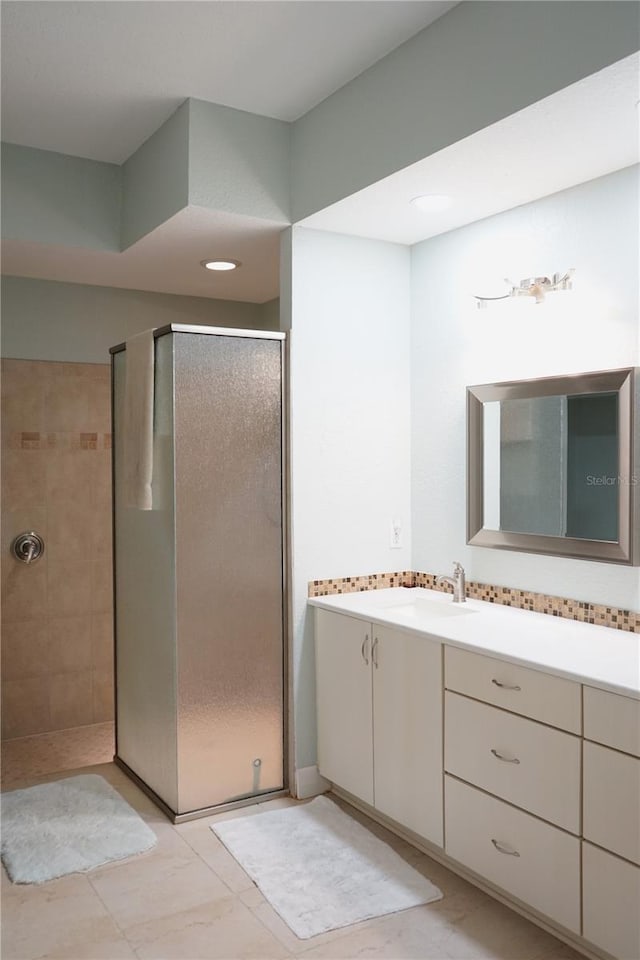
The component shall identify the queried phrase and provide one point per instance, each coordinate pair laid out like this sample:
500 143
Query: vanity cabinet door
611 800
344 702
407 730
539 696
612 720
529 764
611 894
528 858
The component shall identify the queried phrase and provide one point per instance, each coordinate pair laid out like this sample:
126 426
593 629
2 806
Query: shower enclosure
199 577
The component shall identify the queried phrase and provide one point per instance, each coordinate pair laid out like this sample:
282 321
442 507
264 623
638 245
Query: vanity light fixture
220 264
432 202
536 287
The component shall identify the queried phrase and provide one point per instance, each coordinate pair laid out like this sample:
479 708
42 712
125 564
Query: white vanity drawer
612 800
611 894
529 859
552 700
531 765
612 719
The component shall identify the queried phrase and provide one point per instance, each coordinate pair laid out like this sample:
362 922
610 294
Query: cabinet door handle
363 649
499 756
374 653
506 686
502 848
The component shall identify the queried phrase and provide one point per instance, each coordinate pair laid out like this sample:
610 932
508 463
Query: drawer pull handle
374 653
363 649
499 756
501 848
506 686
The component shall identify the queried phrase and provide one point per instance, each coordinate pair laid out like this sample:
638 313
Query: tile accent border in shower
35 440
599 614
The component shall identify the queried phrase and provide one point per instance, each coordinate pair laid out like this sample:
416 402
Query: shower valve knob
28 547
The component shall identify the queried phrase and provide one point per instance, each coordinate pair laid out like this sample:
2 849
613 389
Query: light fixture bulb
432 202
220 264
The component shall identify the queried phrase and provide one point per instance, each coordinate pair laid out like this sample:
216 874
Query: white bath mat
320 869
68 826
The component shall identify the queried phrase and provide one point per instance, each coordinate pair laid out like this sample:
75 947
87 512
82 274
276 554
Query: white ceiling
95 79
584 131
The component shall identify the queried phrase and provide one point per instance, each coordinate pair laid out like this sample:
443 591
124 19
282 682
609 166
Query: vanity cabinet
407 730
612 801
344 697
530 693
610 903
611 823
379 707
526 763
540 774
526 857
612 720
531 765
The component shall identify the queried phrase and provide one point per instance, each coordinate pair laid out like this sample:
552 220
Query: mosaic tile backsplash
522 599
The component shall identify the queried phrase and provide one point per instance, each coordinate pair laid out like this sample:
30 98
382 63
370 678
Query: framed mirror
552 466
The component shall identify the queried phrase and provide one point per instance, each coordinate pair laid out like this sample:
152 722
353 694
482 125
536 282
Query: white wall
593 227
349 356
47 320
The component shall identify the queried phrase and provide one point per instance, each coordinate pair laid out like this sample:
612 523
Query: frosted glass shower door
145 596
199 577
228 455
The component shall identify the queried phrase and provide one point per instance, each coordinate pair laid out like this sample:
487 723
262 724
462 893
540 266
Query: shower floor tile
30 758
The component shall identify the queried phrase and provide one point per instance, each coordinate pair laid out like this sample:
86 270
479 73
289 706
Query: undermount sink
428 609
414 603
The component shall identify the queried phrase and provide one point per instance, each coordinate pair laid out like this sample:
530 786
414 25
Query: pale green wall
271 314
155 179
203 155
46 320
238 162
479 63
52 198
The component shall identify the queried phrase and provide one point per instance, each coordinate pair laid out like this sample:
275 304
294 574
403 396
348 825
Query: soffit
96 79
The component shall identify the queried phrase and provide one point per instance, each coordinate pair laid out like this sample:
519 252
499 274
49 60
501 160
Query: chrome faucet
458 583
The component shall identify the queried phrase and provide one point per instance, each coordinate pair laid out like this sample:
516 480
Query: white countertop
597 656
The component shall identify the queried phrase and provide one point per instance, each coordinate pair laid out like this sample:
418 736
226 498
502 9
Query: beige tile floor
189 899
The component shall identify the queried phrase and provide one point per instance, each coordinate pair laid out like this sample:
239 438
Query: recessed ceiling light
432 202
220 264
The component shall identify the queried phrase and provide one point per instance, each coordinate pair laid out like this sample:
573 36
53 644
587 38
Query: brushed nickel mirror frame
624 382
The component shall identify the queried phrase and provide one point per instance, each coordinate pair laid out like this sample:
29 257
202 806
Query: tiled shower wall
57 643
